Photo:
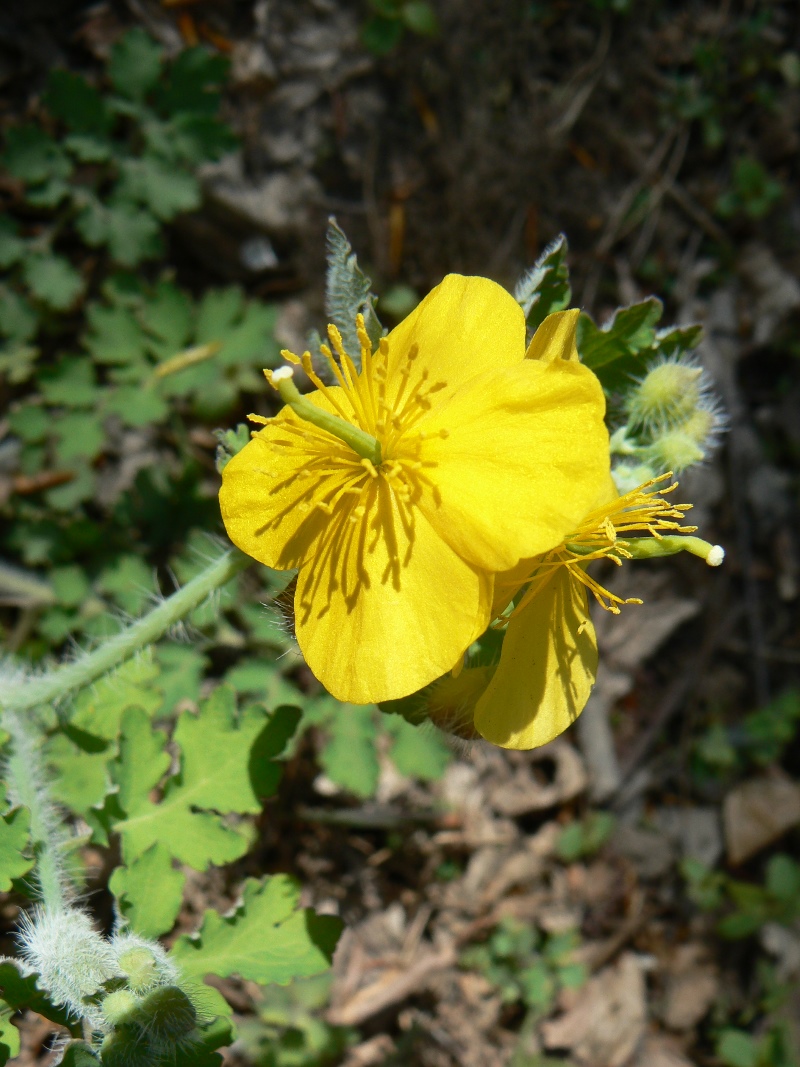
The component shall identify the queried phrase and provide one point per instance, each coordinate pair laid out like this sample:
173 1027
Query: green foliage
738 1048
760 739
149 891
267 939
215 777
581 839
351 738
752 193
15 857
290 1032
527 966
545 288
348 292
386 25
746 906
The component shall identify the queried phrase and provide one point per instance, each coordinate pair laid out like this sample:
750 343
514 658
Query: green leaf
21 991
182 670
737 1049
87 148
135 64
630 332
9 1035
79 1054
129 582
114 335
348 757
149 892
132 235
136 406
98 709
71 383
53 280
420 17
418 751
348 291
79 433
195 138
213 777
219 310
380 35
12 247
262 679
538 987
192 82
80 778
168 315
70 585
79 489
545 287
30 423
266 940
33 156
14 841
783 878
18 320
162 188
48 195
80 107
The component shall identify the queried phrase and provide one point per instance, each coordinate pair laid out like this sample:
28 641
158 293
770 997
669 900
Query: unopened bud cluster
126 988
673 422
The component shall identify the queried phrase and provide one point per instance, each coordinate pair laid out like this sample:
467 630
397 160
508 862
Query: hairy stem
27 786
56 683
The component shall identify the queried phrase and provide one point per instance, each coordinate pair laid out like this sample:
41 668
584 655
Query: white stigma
715 556
282 374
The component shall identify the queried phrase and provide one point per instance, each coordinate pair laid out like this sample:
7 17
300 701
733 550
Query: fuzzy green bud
675 451
450 702
119 1006
140 966
128 1047
166 1014
668 395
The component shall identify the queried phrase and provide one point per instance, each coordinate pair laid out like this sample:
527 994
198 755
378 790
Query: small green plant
389 20
581 839
747 906
760 739
752 193
527 967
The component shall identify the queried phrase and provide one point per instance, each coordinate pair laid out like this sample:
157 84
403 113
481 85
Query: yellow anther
290 357
260 419
369 467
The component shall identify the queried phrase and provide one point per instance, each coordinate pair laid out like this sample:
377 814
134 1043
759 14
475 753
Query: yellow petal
546 672
385 606
525 450
555 337
463 327
271 489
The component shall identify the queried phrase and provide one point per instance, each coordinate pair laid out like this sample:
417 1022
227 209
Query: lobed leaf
14 843
265 940
135 64
545 288
149 891
348 292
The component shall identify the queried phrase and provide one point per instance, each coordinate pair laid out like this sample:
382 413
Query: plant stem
54 684
27 786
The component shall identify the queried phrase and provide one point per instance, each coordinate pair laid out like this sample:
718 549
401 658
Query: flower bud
166 1014
668 394
119 1006
450 702
127 1046
675 451
144 963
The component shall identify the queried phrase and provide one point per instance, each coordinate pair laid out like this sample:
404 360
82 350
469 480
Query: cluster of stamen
334 469
643 510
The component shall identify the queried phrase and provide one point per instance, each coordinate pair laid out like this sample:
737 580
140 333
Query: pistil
364 444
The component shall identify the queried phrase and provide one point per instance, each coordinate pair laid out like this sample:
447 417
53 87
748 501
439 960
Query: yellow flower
549 657
400 491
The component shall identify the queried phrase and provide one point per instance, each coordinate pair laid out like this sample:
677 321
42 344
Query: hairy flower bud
118 1006
668 394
